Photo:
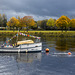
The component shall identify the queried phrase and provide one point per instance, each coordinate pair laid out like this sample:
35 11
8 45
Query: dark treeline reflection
61 43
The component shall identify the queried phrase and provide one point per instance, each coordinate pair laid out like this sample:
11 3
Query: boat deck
35 47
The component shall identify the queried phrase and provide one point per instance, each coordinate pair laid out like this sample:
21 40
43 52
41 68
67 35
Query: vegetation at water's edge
42 33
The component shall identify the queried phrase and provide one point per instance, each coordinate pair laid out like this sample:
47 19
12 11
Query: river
55 62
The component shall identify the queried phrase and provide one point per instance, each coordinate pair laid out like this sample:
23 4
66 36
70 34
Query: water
56 62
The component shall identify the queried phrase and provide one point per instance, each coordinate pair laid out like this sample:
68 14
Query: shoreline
41 33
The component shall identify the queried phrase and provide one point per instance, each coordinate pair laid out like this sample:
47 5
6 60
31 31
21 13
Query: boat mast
17 36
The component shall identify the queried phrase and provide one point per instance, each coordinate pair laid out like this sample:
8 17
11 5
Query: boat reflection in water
23 57
28 57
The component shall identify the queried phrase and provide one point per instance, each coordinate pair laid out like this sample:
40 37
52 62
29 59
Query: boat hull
25 48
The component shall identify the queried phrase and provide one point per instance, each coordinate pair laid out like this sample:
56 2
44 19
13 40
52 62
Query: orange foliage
28 20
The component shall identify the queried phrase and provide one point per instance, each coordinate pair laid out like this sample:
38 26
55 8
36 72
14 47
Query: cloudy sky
39 9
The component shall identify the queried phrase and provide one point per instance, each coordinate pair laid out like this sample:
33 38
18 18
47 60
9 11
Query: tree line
27 22
62 23
3 20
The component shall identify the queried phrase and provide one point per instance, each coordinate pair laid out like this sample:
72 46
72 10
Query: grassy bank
54 33
43 33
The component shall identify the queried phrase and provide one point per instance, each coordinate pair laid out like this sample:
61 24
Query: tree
1 22
35 26
13 22
39 24
44 24
4 19
21 23
28 21
51 23
63 22
72 23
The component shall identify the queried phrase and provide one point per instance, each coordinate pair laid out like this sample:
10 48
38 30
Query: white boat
25 46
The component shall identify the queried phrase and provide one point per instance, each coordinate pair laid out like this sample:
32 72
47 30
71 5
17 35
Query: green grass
42 33
9 31
51 31
33 31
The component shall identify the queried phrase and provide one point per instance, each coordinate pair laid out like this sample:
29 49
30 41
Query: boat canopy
25 42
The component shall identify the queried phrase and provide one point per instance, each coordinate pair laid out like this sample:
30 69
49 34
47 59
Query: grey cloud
41 8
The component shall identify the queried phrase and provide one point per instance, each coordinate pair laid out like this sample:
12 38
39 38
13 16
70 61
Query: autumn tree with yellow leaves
28 21
72 23
13 22
20 25
63 22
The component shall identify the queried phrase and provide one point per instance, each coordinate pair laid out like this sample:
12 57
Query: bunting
29 35
17 35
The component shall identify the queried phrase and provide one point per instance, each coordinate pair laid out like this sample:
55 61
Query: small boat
25 46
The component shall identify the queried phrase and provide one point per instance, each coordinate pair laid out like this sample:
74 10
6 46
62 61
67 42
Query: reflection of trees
65 43
61 44
2 40
49 40
72 42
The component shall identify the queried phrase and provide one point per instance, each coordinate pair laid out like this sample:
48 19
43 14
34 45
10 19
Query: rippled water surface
56 62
